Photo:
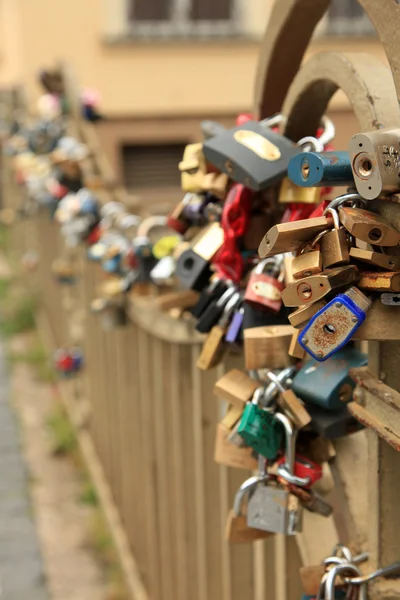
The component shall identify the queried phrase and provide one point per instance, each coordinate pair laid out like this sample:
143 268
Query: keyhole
304 291
188 263
366 167
329 328
375 234
305 170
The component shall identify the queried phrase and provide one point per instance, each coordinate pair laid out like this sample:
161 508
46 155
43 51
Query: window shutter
345 9
149 10
155 166
211 10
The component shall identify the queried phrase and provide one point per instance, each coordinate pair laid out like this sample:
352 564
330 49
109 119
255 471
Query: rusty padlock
266 284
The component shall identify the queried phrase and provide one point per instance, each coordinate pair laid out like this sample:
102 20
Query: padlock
210 129
378 259
368 226
232 416
271 508
164 271
229 454
286 468
251 154
236 387
333 424
334 244
267 347
379 281
260 430
290 404
329 385
315 287
300 317
214 311
293 194
193 267
165 246
265 285
334 325
237 530
254 317
213 291
390 299
193 168
305 469
322 169
235 329
288 237
312 501
375 162
213 348
308 261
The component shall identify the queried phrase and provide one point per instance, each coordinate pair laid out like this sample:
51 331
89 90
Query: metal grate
155 166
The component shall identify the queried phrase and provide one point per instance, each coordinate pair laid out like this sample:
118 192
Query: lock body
261 431
375 161
291 193
264 292
322 169
368 227
333 326
306 264
335 248
274 509
329 385
251 154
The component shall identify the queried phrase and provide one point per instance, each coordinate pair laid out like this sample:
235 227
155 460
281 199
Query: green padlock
260 430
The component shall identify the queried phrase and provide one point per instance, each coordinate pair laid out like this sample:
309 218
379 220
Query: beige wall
136 78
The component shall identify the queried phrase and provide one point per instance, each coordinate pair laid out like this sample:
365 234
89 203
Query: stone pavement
21 566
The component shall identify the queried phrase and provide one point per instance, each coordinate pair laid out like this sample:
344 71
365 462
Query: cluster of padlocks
266 259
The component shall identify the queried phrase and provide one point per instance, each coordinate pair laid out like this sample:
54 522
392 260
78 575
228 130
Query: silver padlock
164 271
274 509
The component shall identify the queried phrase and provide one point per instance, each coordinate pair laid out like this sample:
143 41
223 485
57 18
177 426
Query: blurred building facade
161 66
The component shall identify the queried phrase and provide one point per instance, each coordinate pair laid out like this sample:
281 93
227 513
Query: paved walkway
21 567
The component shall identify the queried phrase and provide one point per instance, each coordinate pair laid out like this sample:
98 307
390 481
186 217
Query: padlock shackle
244 489
150 223
286 470
310 143
329 593
352 198
334 214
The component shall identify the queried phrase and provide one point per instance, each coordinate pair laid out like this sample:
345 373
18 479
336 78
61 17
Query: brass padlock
267 347
288 237
385 261
193 168
236 387
293 194
308 261
232 416
295 350
380 281
311 289
368 227
334 244
300 317
230 455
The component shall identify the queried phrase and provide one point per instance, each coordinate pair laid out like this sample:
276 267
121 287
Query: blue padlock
332 327
321 169
329 384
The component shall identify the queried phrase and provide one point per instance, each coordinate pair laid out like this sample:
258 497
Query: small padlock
214 311
315 287
334 325
328 384
272 508
378 259
334 244
265 285
235 330
237 530
267 347
259 428
236 387
368 226
322 169
288 237
308 261
229 454
333 424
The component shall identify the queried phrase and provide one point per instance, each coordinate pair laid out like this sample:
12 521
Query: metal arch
289 30
367 83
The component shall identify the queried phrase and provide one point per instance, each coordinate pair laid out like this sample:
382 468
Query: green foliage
89 494
36 356
18 315
64 441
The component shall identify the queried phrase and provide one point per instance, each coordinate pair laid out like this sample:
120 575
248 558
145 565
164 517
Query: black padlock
192 270
260 318
210 129
251 154
214 311
212 292
331 424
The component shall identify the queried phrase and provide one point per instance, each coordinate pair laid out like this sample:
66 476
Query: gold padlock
334 244
267 347
236 387
300 317
378 259
308 261
288 237
368 227
311 289
293 194
230 455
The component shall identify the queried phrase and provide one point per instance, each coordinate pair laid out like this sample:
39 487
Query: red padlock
304 467
265 286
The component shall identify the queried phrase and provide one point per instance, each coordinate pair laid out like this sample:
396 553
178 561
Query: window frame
346 26
181 26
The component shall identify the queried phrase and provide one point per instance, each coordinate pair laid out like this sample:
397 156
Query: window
146 167
347 17
184 18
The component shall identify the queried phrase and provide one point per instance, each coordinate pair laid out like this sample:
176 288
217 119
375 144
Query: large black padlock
332 424
251 154
253 317
192 270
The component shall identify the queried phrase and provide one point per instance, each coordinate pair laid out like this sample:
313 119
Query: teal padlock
260 430
329 384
